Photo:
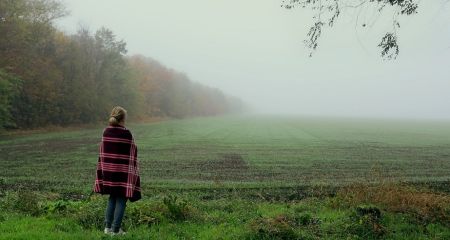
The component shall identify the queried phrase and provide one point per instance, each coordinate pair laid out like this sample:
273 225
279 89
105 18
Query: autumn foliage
48 77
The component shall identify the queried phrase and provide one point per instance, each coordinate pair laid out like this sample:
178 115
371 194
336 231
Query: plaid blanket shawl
118 167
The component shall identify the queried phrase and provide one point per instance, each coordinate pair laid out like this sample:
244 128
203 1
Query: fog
253 50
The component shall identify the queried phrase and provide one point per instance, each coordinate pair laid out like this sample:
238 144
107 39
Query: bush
7 200
279 227
59 206
23 201
177 209
365 222
27 202
91 214
145 213
371 211
304 219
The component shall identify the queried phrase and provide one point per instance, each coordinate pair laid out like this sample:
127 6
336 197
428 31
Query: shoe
108 230
120 232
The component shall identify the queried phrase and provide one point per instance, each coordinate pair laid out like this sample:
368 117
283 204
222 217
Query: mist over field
253 50
225 119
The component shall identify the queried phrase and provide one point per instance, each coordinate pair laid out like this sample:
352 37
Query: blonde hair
118 115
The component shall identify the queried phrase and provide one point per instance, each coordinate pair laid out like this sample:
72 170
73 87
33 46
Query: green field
240 151
237 177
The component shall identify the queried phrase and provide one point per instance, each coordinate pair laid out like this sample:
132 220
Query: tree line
48 77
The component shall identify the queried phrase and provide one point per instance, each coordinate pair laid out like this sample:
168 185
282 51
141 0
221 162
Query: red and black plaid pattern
118 167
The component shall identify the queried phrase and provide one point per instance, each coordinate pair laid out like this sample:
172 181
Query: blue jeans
114 212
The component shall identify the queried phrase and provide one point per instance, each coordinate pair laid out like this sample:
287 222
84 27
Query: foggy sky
253 49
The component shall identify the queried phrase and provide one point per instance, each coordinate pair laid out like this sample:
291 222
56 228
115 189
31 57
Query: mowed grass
238 151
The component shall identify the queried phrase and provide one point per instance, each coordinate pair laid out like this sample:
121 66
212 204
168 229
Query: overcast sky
253 49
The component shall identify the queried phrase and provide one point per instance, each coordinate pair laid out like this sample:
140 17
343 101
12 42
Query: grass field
241 177
240 151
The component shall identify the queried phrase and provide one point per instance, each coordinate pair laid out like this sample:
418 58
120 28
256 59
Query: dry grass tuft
424 204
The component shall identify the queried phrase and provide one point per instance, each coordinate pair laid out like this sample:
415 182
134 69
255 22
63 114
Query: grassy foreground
238 178
356 212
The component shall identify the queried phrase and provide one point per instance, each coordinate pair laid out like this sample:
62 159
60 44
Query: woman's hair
118 114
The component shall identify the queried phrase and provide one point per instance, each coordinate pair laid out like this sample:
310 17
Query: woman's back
117 170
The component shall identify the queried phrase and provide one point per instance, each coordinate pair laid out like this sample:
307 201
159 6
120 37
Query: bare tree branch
328 11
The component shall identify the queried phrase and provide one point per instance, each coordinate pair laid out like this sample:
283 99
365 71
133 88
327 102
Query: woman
117 170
